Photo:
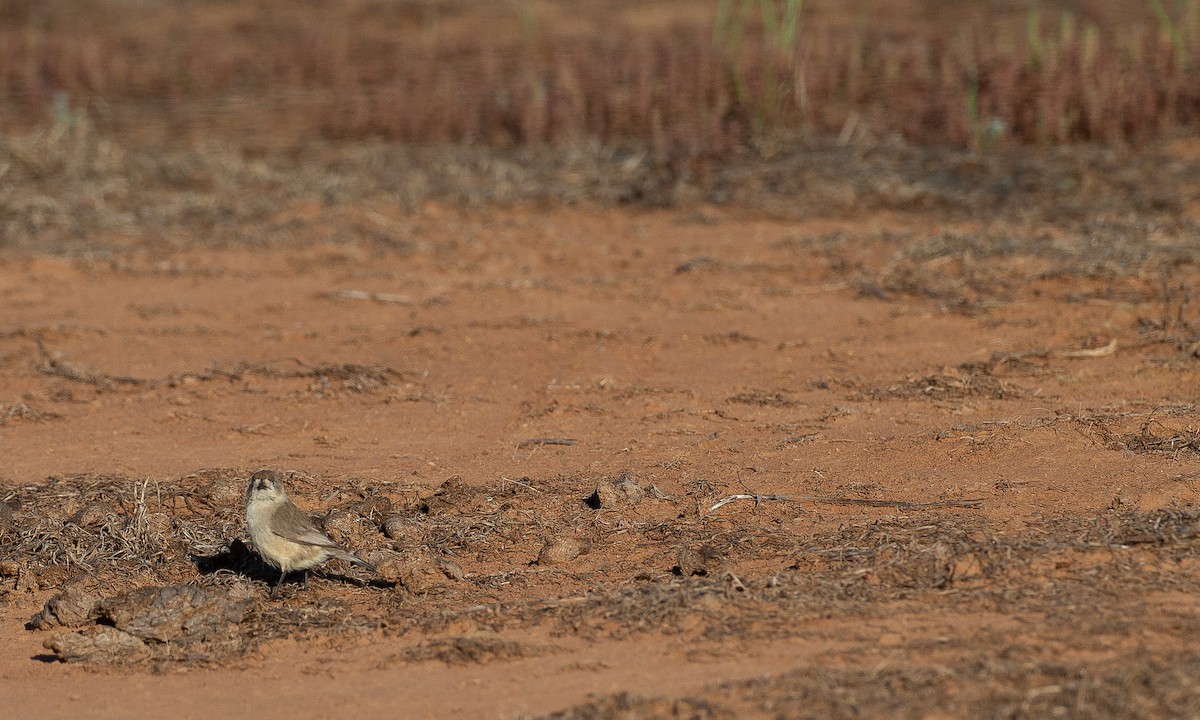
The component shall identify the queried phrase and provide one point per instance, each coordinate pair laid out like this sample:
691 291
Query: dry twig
531 442
373 296
1087 353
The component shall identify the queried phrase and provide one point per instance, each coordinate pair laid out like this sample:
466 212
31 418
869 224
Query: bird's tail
352 558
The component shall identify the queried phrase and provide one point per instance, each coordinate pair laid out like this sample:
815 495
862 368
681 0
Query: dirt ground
529 417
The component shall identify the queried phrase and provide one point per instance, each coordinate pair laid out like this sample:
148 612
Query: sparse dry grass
85 192
20 411
1164 435
979 683
100 534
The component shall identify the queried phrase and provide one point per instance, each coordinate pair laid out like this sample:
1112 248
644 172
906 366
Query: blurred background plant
692 80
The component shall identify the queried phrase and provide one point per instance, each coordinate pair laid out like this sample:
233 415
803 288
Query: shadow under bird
283 534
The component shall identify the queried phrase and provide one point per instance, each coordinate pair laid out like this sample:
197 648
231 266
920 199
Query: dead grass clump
981 682
122 529
1169 442
1157 437
93 523
944 558
473 650
351 377
311 614
734 337
973 272
19 411
1007 363
468 554
327 377
484 522
626 706
767 398
964 270
952 385
1171 526
86 374
214 196
894 558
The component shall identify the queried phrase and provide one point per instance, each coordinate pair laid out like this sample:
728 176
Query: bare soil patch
525 419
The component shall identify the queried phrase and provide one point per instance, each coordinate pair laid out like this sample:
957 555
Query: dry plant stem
24 412
50 366
1099 352
531 442
91 376
374 296
1075 354
758 498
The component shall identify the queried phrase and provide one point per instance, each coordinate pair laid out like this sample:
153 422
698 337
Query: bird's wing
291 523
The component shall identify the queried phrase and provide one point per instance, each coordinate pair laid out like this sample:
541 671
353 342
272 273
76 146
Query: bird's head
265 486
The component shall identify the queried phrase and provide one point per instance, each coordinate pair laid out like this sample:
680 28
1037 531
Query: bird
283 534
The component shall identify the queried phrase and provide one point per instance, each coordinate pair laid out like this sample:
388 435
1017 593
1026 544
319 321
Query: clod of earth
173 612
705 561
455 497
344 526
417 572
403 530
72 607
103 645
142 620
624 490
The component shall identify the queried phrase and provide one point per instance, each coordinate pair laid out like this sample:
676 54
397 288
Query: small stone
451 569
560 551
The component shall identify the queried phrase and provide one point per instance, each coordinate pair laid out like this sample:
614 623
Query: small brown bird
283 534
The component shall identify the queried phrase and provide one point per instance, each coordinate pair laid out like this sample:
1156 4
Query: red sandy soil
703 352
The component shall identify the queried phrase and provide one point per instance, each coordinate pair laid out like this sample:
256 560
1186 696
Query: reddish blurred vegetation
503 74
